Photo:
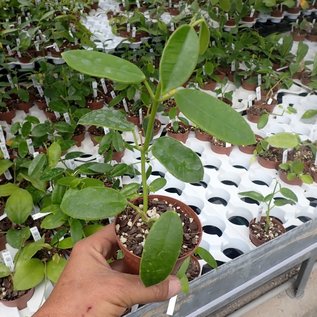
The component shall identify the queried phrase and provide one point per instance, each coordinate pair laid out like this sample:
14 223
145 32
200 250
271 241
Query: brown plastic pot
221 149
134 119
132 261
182 137
268 163
24 106
202 135
247 85
21 302
7 116
249 149
311 37
283 176
157 127
117 156
95 105
41 104
297 36
3 241
209 85
254 239
252 117
79 138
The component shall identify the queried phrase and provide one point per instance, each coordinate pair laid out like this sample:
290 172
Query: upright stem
148 136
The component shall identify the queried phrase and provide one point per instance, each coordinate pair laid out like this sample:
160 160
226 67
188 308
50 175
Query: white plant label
252 12
19 54
259 215
171 306
314 2
106 130
259 79
19 20
233 66
47 100
137 3
81 76
314 21
1 218
7 258
113 94
72 163
8 175
2 138
140 116
37 46
227 144
125 105
57 115
4 151
56 48
35 154
258 93
66 117
9 50
10 80
133 34
227 16
128 27
170 3
172 27
269 101
30 146
99 158
40 90
104 86
284 158
35 233
94 89
250 101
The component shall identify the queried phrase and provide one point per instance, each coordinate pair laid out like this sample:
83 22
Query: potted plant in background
160 222
266 228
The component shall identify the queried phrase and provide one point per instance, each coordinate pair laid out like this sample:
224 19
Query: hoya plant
213 116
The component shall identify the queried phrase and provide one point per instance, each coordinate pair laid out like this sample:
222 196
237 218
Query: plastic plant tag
169 3
314 21
112 94
9 50
30 146
35 233
227 144
125 105
270 101
10 80
137 3
204 70
55 46
128 27
259 215
172 27
258 93
66 117
104 86
259 79
19 54
140 116
1 218
99 158
19 20
94 89
106 130
250 101
47 100
233 66
284 158
7 258
171 306
315 160
8 175
2 138
4 151
252 12
57 115
133 34
35 154
81 76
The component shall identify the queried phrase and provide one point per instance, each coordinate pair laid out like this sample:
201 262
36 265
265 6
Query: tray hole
250 200
196 209
158 173
201 183
240 167
259 182
304 218
232 253
290 228
209 229
312 201
239 220
207 268
229 183
211 167
174 190
218 201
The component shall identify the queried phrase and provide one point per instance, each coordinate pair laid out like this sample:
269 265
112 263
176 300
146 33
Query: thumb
139 294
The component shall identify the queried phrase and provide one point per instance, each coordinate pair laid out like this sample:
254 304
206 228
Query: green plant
296 169
210 114
271 200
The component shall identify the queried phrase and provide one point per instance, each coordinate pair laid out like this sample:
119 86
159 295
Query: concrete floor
277 303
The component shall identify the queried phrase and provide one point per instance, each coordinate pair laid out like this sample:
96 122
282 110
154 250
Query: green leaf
23 148
161 248
206 256
91 182
54 268
282 202
93 203
309 114
264 118
58 193
54 153
103 65
286 192
253 195
69 181
225 5
102 168
37 165
76 230
31 249
184 284
204 37
178 159
28 274
16 238
4 270
53 221
36 182
66 243
91 229
181 274
72 155
109 118
4 165
306 178
214 116
19 206
181 49
52 174
7 189
157 184
130 189
283 140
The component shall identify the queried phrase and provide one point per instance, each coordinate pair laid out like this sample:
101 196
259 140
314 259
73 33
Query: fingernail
174 286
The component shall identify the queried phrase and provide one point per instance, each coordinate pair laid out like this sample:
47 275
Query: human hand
90 287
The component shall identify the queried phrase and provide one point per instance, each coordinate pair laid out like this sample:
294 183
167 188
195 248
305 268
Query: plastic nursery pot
209 85
298 36
132 261
283 176
257 233
94 133
249 149
95 104
7 116
268 163
20 302
264 105
220 147
24 106
79 135
50 115
202 135
248 84
41 104
133 119
313 172
182 133
194 268
311 37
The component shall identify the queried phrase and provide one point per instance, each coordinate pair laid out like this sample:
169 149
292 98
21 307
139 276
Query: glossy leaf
28 274
66 243
72 155
309 114
16 238
23 149
253 195
283 140
91 229
103 65
55 268
181 49
19 206
130 189
37 165
58 194
7 189
91 182
53 221
282 202
76 230
161 250
204 37
4 165
31 249
306 178
214 116
52 174
157 184
4 270
93 203
54 153
109 118
263 120
206 256
178 159
69 181
36 182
